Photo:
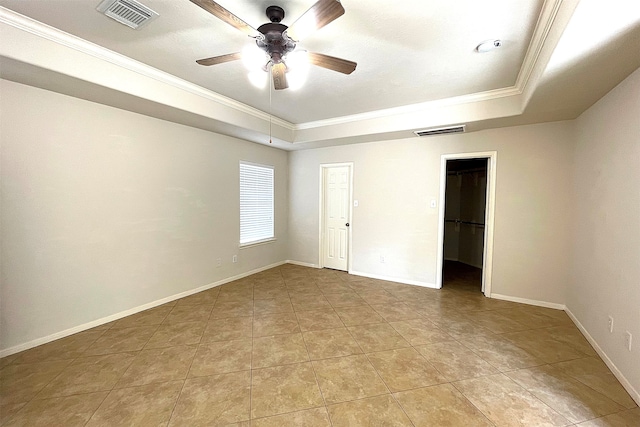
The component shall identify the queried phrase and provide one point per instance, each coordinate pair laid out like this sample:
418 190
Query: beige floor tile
189 313
89 374
318 319
420 331
62 411
299 281
317 417
348 378
571 336
207 297
272 305
275 324
377 297
505 403
459 329
174 334
501 353
278 350
396 312
232 309
417 336
359 315
334 287
269 292
533 317
20 383
494 321
344 299
404 369
543 346
7 360
218 400
8 410
569 397
440 405
373 411
65 348
283 389
377 337
221 357
147 405
330 343
158 365
628 418
306 302
595 374
239 294
154 316
582 366
228 299
230 328
455 361
121 340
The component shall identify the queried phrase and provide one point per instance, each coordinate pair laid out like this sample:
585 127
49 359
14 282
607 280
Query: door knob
347 224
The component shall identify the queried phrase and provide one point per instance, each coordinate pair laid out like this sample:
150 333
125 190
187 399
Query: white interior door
337 201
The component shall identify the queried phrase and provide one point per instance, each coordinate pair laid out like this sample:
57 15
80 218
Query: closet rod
465 222
467 171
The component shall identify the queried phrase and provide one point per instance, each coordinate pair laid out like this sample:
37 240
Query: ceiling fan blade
332 63
221 13
318 15
279 77
219 59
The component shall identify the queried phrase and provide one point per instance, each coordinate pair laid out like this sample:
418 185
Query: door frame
489 222
323 168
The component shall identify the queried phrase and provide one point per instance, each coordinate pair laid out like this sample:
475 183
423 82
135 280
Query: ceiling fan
278 40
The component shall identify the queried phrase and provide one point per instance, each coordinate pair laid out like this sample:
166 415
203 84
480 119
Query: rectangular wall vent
127 12
441 131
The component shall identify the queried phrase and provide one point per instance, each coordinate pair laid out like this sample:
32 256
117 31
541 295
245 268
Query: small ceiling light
488 45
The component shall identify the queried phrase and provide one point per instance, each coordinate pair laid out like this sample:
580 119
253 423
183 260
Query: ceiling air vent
127 12
441 131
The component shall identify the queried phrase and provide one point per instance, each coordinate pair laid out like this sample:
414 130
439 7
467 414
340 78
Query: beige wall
606 268
105 210
394 181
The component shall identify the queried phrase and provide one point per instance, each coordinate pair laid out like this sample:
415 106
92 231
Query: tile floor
294 346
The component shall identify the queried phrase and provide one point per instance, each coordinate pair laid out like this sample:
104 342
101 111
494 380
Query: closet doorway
466 222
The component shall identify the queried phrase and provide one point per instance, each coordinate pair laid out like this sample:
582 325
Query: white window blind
256 203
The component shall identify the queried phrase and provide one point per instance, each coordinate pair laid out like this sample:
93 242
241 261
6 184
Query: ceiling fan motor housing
275 42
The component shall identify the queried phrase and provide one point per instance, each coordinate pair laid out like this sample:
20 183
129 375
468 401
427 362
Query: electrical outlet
610 324
218 262
627 340
381 259
234 258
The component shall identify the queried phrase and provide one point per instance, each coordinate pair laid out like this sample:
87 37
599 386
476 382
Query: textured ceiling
407 52
417 67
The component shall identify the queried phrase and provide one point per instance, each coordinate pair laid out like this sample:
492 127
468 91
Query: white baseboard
302 264
529 301
635 395
394 279
39 341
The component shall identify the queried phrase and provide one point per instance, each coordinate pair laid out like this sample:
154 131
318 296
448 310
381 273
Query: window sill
257 243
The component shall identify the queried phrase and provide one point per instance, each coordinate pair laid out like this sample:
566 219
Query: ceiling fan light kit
278 42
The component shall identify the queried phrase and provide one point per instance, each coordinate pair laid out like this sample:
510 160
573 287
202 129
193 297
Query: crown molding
526 75
413 108
55 35
547 17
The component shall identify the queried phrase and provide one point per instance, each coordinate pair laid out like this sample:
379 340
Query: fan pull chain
270 110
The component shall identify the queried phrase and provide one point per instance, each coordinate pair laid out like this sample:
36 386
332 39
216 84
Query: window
256 203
